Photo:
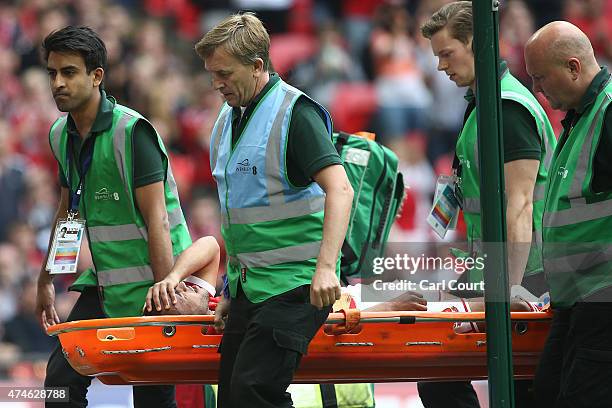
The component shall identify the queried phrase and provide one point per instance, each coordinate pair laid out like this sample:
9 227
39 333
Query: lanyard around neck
83 166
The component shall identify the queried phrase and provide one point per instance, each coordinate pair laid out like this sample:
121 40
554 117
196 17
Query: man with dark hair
116 183
529 142
285 201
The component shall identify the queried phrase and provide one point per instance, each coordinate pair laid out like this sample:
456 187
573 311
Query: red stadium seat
352 106
286 50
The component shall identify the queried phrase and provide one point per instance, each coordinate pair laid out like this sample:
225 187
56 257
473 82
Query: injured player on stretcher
190 289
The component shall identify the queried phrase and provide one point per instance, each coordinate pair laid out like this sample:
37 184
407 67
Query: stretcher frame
384 347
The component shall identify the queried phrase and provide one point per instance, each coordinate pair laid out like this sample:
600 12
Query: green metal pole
491 161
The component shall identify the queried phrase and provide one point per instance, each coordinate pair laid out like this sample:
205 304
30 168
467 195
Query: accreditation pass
66 246
443 214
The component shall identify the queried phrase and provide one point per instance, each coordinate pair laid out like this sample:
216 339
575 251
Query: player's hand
221 314
162 294
410 300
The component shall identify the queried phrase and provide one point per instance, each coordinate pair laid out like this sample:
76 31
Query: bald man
576 366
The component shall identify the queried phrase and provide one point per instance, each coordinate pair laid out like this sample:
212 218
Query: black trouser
262 346
575 369
61 374
461 394
456 394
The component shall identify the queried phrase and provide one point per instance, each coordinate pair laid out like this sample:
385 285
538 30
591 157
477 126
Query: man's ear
574 66
258 67
98 76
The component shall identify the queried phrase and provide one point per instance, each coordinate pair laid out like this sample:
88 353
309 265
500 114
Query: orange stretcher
369 347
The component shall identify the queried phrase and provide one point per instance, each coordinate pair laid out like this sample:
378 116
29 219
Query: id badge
445 210
440 184
66 246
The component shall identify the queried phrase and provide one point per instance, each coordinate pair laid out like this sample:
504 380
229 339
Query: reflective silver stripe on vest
279 212
536 237
578 213
539 191
274 184
217 138
471 205
548 155
476 246
583 160
128 232
172 183
119 276
224 220
56 136
232 260
279 256
581 261
116 233
175 216
119 137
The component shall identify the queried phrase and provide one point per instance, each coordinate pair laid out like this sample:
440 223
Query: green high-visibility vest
115 228
347 395
467 152
577 244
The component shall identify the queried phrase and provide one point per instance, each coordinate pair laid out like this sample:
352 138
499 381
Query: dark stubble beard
70 105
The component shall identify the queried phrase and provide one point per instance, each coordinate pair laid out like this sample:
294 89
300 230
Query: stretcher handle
409 317
348 325
334 318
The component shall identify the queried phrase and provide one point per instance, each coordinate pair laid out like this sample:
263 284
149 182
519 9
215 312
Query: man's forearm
520 222
160 248
337 212
201 259
152 206
520 178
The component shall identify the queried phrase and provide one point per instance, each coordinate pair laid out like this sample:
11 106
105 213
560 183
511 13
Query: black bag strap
383 220
399 187
328 396
395 196
341 141
348 254
348 257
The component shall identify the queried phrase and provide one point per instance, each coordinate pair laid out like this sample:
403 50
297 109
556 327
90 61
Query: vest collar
596 86
237 113
104 117
588 99
503 71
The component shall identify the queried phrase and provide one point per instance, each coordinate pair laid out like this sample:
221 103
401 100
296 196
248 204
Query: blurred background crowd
363 59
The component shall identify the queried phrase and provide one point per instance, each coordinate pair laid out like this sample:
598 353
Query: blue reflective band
226 291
